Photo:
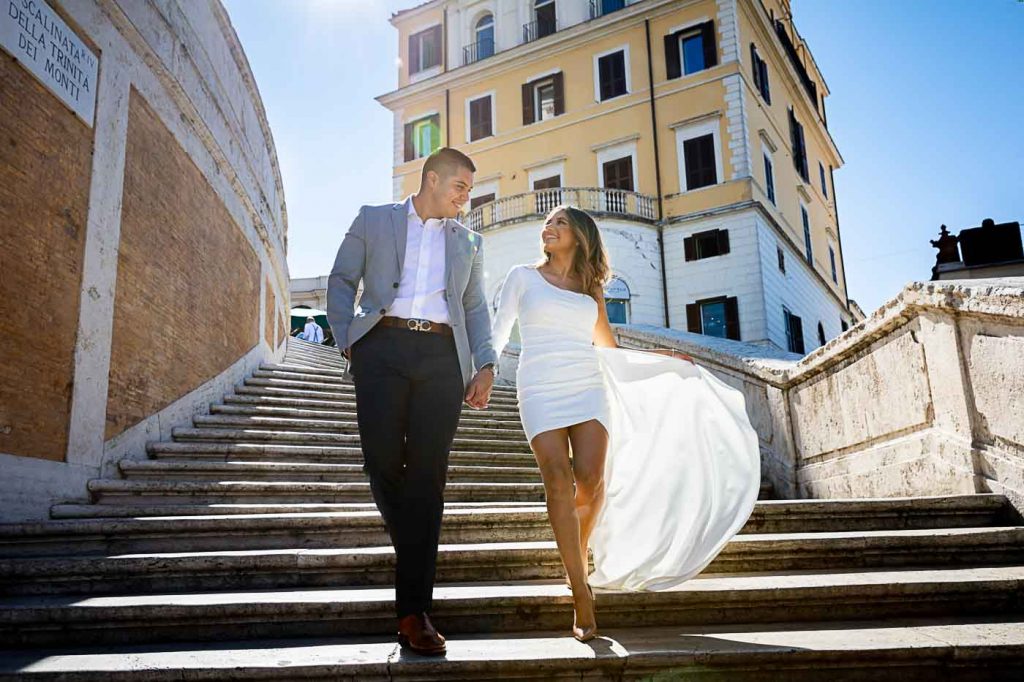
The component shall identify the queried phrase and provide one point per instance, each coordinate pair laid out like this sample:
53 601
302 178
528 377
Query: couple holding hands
646 458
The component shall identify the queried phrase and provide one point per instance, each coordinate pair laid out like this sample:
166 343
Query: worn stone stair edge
929 649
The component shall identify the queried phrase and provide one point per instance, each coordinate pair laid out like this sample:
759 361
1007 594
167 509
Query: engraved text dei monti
34 35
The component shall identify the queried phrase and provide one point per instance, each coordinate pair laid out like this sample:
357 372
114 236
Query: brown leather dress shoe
417 633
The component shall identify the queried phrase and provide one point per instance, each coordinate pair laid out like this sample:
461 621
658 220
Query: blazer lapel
400 223
451 250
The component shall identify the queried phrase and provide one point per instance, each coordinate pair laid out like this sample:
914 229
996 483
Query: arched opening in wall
616 301
484 37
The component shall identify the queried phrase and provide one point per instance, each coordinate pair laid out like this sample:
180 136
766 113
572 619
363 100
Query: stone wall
920 398
143 246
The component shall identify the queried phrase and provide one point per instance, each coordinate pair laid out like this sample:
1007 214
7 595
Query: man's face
452 192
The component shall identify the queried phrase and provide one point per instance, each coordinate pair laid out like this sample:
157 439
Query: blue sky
927 109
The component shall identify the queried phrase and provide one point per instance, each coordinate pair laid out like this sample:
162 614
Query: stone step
117 491
294 472
188 570
247 527
333 376
347 406
920 650
335 390
229 452
210 434
468 417
489 430
147 512
35 620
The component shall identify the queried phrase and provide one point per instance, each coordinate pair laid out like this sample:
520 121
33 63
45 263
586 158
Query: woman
664 443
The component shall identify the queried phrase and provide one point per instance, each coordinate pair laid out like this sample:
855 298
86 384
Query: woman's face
557 235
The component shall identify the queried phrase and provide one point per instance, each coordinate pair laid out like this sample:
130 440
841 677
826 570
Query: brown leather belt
417 325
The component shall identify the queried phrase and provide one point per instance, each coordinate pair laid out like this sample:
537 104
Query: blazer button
383 310
395 285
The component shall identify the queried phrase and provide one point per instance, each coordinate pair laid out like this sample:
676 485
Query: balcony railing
599 8
535 30
596 200
482 49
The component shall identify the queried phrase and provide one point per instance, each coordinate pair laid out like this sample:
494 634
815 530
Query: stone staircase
248 547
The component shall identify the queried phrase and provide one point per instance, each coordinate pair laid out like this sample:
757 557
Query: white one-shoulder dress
683 466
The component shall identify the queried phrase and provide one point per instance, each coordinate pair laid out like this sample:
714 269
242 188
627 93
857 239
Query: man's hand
347 353
478 393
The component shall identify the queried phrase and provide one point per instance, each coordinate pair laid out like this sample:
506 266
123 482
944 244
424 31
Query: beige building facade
694 131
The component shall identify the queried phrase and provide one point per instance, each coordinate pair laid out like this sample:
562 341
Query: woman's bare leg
551 449
589 448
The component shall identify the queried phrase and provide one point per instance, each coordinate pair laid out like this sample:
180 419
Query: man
421 325
312 332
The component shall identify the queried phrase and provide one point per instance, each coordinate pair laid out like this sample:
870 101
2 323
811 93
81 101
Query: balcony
598 201
599 8
481 49
535 30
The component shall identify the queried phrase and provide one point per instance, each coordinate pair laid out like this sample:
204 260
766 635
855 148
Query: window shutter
796 325
723 241
559 83
410 150
710 48
435 135
732 318
485 113
755 67
693 318
689 248
527 104
436 31
414 53
763 68
672 63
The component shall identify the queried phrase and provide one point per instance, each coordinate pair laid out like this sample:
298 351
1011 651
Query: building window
796 137
714 317
599 8
821 334
781 257
824 185
617 175
544 21
699 153
476 202
794 332
832 263
616 301
769 177
611 75
485 37
706 244
807 234
842 323
543 99
760 69
547 193
422 137
690 50
480 118
425 49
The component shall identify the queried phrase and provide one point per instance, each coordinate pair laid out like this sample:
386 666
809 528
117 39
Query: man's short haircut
445 162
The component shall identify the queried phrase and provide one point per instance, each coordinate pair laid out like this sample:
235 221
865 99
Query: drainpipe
657 175
839 238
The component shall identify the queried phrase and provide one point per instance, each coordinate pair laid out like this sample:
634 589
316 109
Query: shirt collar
410 210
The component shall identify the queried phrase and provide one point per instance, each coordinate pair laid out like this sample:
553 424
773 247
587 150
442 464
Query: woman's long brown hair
590 261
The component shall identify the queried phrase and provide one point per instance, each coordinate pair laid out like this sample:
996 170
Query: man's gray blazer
373 251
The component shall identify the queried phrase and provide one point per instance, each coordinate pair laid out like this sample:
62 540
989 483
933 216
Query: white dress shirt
421 290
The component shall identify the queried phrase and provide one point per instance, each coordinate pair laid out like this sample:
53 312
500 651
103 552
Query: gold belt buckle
418 325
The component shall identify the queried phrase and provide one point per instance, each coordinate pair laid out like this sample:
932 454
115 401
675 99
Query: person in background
313 332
